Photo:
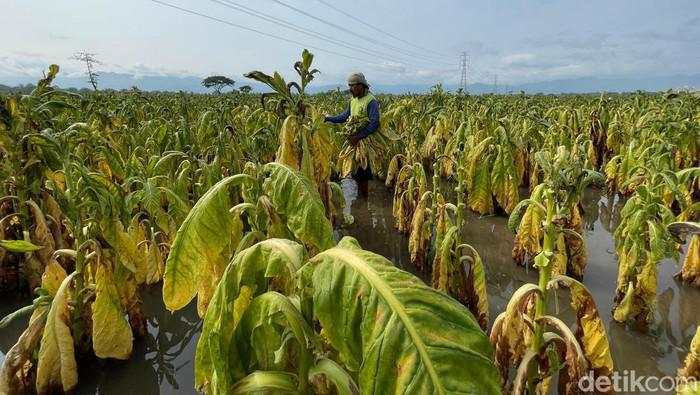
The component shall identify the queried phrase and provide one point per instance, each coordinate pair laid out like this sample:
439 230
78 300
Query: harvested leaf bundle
370 152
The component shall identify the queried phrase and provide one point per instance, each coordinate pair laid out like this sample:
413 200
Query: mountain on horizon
118 81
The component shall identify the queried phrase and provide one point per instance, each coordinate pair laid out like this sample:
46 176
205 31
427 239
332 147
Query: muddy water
660 352
163 361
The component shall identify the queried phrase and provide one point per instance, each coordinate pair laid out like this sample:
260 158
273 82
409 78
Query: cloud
518 59
59 37
529 62
140 70
22 65
567 41
389 67
474 48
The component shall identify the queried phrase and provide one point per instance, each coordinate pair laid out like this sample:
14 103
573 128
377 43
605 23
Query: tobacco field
510 243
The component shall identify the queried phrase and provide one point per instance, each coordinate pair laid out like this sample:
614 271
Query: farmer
362 104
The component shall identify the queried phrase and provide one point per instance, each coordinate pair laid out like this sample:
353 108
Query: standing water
163 361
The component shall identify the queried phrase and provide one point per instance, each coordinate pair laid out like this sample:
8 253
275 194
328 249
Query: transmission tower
463 72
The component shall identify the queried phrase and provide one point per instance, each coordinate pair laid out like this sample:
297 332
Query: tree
90 61
245 89
217 82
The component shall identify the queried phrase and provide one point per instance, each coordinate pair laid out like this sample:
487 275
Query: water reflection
659 352
162 361
10 333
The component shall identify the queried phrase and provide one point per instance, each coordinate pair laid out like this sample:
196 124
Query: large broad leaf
111 333
201 248
296 198
272 335
400 335
249 274
57 367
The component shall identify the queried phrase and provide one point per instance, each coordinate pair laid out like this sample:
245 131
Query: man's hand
354 139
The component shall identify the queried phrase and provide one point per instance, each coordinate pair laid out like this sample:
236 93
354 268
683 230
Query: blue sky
520 41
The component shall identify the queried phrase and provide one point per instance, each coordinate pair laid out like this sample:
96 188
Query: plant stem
545 270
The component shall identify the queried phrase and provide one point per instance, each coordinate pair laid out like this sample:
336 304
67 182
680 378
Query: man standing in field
362 105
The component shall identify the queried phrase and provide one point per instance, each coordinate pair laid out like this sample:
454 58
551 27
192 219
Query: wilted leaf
690 370
111 333
53 276
18 358
590 329
57 367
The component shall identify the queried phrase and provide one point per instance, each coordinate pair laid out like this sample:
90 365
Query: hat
357 78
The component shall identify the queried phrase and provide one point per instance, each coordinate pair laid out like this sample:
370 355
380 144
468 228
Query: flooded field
163 361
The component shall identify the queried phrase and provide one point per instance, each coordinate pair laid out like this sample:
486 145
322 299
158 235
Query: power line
297 28
250 29
300 11
371 26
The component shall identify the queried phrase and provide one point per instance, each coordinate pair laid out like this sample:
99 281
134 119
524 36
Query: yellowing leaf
590 329
41 235
111 333
52 277
690 272
288 152
479 198
248 275
201 248
57 367
690 370
510 334
15 368
154 264
419 237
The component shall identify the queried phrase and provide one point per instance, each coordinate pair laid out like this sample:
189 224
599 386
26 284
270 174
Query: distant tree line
218 82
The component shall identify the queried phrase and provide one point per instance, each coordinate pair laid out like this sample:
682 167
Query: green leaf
248 275
344 384
201 248
260 339
259 383
19 246
399 334
296 198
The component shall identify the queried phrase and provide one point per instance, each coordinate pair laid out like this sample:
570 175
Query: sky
515 41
